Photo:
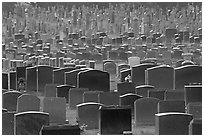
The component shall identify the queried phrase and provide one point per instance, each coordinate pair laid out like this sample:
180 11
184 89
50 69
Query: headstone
172 123
94 80
88 114
4 80
143 90
76 96
132 61
8 123
161 77
128 100
174 95
60 130
91 96
114 120
125 87
56 107
27 102
122 67
138 73
187 74
145 110
124 74
44 77
195 127
13 80
171 106
31 79
30 123
63 91
21 76
50 90
110 67
109 98
156 94
9 100
195 109
193 93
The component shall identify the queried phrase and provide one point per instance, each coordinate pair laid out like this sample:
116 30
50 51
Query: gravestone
187 74
110 67
91 96
59 74
114 120
171 106
195 127
9 100
27 102
109 98
4 80
88 114
63 91
60 130
30 123
172 123
161 77
157 94
132 61
145 110
195 108
76 96
94 80
138 73
44 77
106 61
31 79
193 93
50 90
8 123
71 77
143 90
174 95
13 80
128 100
125 73
56 107
125 87
122 67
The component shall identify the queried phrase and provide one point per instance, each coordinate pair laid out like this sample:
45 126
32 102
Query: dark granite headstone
4 80
91 96
143 90
172 123
60 130
193 93
27 102
124 73
195 127
88 114
157 94
125 87
161 77
171 106
44 76
63 91
9 100
8 123
187 74
138 73
31 79
21 75
174 95
76 96
109 98
13 80
30 122
114 120
145 110
94 80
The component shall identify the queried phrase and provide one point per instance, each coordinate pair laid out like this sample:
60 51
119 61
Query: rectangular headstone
50 90
31 79
109 98
156 94
63 91
195 127
114 121
9 100
193 93
4 80
125 87
8 123
30 123
91 96
56 107
13 80
174 95
195 109
171 106
76 96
